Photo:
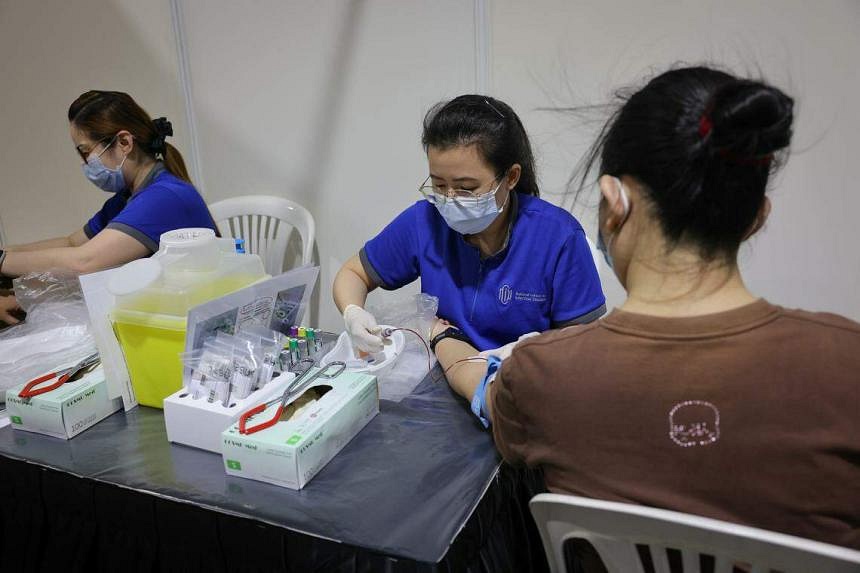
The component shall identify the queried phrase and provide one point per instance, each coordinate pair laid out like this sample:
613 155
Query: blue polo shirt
164 203
544 277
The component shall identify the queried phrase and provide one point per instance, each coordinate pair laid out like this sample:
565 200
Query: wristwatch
449 332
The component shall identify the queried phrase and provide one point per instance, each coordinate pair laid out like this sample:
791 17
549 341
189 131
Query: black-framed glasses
85 154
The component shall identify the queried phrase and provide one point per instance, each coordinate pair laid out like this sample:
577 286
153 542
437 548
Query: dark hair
101 114
702 142
491 125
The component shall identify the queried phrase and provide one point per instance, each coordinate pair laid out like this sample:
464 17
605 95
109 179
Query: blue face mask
106 179
471 216
603 246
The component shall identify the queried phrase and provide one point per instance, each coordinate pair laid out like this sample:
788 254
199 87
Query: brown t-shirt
750 416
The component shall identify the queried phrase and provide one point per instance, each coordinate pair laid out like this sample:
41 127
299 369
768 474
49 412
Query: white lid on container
192 249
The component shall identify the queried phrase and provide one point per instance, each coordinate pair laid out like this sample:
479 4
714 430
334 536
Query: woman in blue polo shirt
502 261
124 153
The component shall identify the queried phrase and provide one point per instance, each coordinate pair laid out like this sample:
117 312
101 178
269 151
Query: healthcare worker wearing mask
502 261
123 153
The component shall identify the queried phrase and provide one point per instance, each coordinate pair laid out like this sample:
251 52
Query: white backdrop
561 53
322 102
50 52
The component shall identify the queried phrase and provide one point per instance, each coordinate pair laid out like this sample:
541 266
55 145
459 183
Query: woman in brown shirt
694 395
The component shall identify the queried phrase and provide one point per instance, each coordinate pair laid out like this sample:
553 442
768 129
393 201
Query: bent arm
110 248
351 284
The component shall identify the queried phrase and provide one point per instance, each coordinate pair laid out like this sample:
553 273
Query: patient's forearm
463 373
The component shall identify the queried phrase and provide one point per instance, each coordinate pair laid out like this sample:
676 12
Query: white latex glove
504 352
362 329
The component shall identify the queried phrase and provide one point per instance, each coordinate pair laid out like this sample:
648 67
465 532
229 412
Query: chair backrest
615 529
266 223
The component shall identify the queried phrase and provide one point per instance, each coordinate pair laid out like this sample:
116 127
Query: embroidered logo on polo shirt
694 423
505 294
529 296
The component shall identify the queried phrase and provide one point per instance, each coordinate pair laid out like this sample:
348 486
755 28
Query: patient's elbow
82 263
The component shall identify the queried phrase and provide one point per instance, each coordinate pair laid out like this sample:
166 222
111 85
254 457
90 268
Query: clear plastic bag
212 371
270 344
49 287
247 355
55 334
232 366
269 349
415 312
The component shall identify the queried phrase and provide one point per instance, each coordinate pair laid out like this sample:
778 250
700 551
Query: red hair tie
705 126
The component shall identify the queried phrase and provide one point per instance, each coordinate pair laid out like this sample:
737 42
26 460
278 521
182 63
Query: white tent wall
557 53
51 51
321 102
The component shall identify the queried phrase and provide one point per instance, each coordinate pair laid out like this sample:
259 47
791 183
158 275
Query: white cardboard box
66 411
99 303
292 451
199 423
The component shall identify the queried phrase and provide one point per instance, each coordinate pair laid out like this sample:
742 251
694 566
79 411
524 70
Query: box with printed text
66 411
311 431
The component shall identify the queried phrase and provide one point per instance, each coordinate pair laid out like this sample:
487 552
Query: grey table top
404 486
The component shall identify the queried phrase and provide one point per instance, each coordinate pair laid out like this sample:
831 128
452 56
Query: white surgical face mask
469 216
604 246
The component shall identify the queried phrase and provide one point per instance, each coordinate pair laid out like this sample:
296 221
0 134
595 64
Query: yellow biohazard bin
153 297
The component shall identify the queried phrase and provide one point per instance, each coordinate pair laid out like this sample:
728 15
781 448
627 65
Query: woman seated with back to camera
695 395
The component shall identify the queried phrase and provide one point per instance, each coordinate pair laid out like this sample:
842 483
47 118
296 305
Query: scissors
34 387
297 386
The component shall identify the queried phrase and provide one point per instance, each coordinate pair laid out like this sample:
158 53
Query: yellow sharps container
153 296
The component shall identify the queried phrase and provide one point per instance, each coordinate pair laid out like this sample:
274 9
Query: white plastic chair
266 222
614 529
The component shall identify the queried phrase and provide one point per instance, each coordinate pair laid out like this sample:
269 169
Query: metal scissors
296 387
34 387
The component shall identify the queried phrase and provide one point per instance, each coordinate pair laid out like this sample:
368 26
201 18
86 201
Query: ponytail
174 163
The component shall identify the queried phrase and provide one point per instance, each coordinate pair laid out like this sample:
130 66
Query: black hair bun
750 119
163 129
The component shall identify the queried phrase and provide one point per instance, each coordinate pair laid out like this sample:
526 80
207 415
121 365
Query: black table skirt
56 521
120 497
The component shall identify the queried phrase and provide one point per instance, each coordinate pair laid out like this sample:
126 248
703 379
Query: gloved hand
504 352
362 329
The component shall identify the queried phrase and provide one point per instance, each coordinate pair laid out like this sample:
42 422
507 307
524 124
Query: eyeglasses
440 194
85 154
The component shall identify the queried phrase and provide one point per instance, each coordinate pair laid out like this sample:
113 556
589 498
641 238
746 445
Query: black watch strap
449 332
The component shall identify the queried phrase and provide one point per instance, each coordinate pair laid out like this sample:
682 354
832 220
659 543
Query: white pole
482 46
185 80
